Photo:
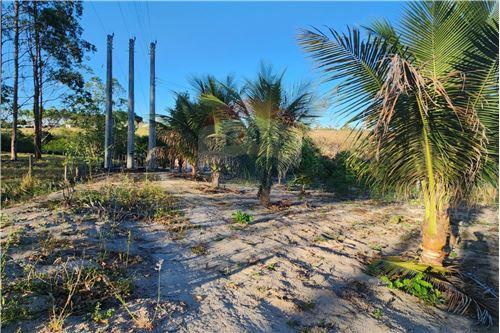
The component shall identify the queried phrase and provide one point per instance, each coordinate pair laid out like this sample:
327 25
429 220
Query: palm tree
426 95
276 124
181 129
220 100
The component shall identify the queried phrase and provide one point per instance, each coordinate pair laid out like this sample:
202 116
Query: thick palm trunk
214 168
435 227
264 193
179 166
215 179
433 243
194 169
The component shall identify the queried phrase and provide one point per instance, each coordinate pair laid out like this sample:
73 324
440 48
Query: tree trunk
435 227
194 169
13 145
36 87
264 193
215 178
179 166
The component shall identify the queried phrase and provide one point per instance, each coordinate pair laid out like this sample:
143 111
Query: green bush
416 286
24 142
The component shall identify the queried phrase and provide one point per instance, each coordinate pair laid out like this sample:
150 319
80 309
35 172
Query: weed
319 239
158 268
242 218
141 320
13 239
416 286
129 241
377 314
272 266
305 305
396 219
199 249
6 220
13 310
101 316
376 247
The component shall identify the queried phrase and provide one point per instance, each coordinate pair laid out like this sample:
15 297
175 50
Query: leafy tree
427 95
56 50
86 111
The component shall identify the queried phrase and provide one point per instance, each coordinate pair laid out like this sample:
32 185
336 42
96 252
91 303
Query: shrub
24 142
242 218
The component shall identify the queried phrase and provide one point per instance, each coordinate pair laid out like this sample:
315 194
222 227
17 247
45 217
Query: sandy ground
294 268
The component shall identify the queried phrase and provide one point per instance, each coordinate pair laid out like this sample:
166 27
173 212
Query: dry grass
332 141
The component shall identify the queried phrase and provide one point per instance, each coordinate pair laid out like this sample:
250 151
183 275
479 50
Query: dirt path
294 268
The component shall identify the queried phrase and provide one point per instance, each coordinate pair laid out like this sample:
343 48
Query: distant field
332 141
49 168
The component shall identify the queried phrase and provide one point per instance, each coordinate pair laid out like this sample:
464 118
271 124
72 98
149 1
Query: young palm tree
221 107
181 130
276 124
426 95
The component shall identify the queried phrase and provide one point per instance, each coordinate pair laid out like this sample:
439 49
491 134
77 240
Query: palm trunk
435 228
264 193
13 145
194 169
179 166
215 178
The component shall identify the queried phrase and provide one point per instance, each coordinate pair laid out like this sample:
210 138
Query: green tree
55 49
223 127
427 96
181 130
276 124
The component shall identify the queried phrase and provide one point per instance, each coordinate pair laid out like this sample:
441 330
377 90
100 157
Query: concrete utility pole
108 132
131 124
151 160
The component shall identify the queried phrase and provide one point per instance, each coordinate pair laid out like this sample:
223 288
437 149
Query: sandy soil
298 267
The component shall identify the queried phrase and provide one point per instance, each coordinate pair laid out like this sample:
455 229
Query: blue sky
216 38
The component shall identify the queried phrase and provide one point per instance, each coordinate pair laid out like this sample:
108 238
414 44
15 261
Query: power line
105 32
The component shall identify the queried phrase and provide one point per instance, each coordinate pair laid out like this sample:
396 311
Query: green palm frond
461 294
357 65
404 88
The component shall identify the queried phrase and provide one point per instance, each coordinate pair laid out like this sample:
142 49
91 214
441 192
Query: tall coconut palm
276 124
426 94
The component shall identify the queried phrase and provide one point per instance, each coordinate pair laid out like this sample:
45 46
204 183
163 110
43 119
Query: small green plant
199 249
396 219
416 286
242 218
452 255
272 266
129 241
101 316
319 239
377 314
